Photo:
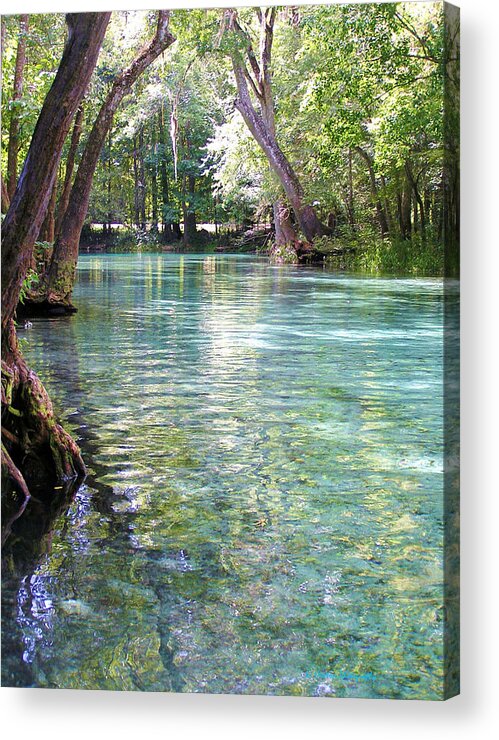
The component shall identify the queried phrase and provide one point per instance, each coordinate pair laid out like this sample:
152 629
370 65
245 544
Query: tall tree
136 183
252 72
163 170
70 163
16 97
153 173
47 232
141 182
59 280
380 209
188 209
36 450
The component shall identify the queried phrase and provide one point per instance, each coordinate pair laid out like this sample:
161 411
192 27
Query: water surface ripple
263 512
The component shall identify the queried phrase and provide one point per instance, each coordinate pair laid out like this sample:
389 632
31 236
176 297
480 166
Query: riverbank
362 251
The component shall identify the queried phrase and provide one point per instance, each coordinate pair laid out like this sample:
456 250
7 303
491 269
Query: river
263 512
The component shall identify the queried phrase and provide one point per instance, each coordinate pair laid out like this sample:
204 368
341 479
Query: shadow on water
28 529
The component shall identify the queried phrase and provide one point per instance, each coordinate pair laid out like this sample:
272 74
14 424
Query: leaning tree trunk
17 92
259 125
306 216
285 239
37 452
29 204
70 163
47 232
57 284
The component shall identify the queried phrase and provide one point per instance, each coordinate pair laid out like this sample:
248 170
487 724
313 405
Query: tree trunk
418 201
60 279
284 229
142 181
404 207
285 246
305 214
382 218
109 180
29 203
136 187
415 213
154 200
154 179
17 92
386 205
258 124
183 203
47 232
37 451
165 197
351 206
40 449
70 163
347 202
427 200
286 238
190 226
5 197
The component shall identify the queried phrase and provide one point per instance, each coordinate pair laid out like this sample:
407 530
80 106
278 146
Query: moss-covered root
51 294
61 279
39 413
284 254
43 454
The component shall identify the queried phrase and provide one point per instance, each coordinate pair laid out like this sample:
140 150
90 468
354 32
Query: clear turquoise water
263 512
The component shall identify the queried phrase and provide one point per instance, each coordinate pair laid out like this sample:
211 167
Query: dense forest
326 123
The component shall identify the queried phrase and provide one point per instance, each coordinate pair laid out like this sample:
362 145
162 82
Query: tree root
284 254
15 475
299 252
294 252
37 453
41 302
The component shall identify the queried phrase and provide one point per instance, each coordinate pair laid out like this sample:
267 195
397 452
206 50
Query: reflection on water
264 507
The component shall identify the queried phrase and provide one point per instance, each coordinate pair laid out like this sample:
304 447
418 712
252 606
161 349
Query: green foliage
29 283
368 252
351 84
45 40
